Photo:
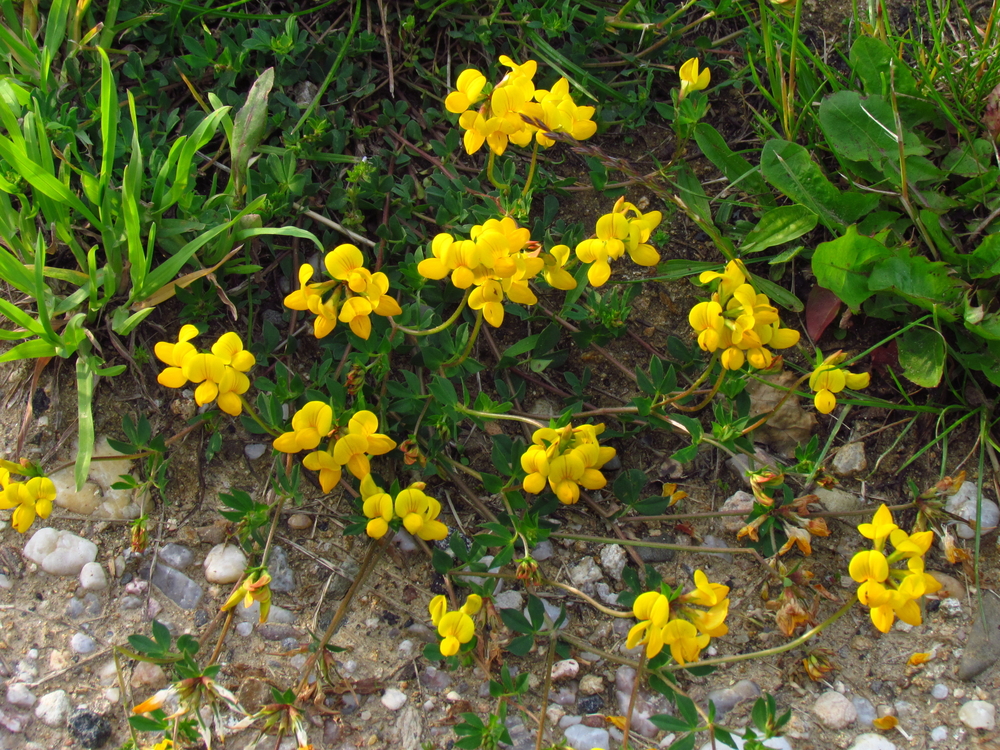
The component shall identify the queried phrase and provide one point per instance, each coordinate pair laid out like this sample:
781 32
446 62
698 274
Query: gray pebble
82 644
865 710
254 451
130 602
282 575
244 628
543 551
939 691
176 556
177 587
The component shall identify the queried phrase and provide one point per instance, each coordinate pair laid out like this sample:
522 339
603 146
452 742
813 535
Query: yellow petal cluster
692 79
417 511
515 111
256 587
740 322
30 499
314 422
495 261
220 373
455 628
566 459
890 592
625 229
351 295
828 379
677 623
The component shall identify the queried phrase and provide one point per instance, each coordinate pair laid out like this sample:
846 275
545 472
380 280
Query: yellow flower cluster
566 458
674 622
256 587
828 379
739 321
220 373
626 228
313 423
495 260
692 79
417 511
353 294
888 592
27 499
455 628
512 108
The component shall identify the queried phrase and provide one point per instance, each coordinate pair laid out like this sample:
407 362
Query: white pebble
244 628
940 691
82 644
834 710
19 695
5 582
393 699
871 741
254 451
92 577
939 734
53 708
224 564
566 669
60 553
978 715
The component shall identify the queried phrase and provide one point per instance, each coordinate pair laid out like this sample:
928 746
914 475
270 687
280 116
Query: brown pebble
299 521
860 643
595 721
950 586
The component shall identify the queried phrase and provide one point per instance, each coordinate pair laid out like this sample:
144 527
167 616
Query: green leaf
864 129
670 723
843 265
628 486
248 128
516 621
922 356
736 169
443 391
916 279
778 294
880 70
29 350
778 226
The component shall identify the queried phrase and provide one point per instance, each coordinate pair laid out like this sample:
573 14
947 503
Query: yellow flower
28 500
378 507
254 588
567 459
165 744
328 468
880 528
419 513
626 228
652 609
234 383
705 594
684 641
470 85
918 659
707 321
174 356
692 79
828 379
677 624
554 273
361 440
310 425
560 114
455 628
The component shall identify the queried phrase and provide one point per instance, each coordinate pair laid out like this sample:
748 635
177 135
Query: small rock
92 577
176 556
393 699
584 572
60 553
224 564
509 599
53 708
299 521
148 677
19 695
130 602
282 575
244 628
865 710
564 696
177 587
253 451
277 615
978 715
581 737
939 734
543 551
433 678
838 501
274 631
983 645
82 644
566 669
613 559
5 582
951 587
13 721
850 460
89 729
950 608
554 714
871 741
834 710
591 704
725 699
963 505
591 684
741 502
657 554
939 691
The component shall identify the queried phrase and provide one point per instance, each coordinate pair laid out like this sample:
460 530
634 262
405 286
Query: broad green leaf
864 129
29 350
920 281
692 193
248 128
842 265
789 168
880 71
984 262
778 226
922 356
778 294
737 170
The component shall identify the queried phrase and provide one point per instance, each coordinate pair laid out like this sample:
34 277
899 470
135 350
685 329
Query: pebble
950 608
591 684
834 710
92 577
53 708
584 572
282 575
60 553
564 696
224 564
5 582
130 602
657 554
82 644
19 695
838 501
939 734
774 743
740 502
978 715
940 691
566 669
871 741
554 713
543 551
727 698
393 699
299 521
509 599
148 677
277 615
244 628
274 631
581 737
433 678
951 587
850 460
590 705
253 451
983 645
963 505
613 559
13 721
865 710
177 587
89 729
176 555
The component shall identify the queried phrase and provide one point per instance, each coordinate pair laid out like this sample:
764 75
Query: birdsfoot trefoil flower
455 628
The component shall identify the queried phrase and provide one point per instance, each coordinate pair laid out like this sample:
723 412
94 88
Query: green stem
468 345
488 415
489 172
789 103
531 171
435 329
252 413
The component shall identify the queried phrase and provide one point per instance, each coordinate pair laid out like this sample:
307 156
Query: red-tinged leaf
821 310
886 356
991 116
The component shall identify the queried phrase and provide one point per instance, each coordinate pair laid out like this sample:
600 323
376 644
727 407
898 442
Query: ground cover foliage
365 229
